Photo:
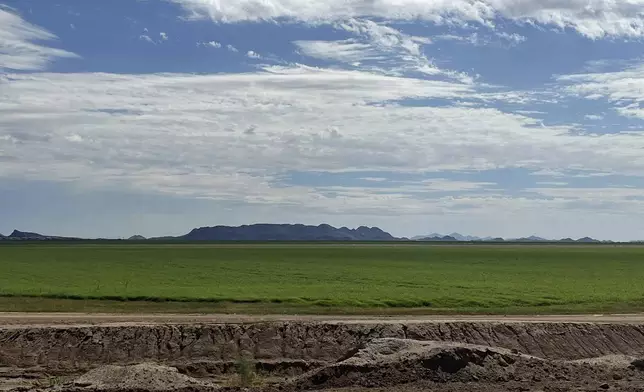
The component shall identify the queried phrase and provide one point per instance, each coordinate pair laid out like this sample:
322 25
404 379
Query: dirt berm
308 355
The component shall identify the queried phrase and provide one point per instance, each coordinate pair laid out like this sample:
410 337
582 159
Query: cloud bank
591 18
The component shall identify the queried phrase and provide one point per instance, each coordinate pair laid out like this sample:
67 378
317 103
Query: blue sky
486 117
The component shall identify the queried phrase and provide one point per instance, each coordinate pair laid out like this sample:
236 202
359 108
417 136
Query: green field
342 278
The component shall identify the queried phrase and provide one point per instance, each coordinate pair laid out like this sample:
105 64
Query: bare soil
112 353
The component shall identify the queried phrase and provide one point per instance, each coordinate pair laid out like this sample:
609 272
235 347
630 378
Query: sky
486 117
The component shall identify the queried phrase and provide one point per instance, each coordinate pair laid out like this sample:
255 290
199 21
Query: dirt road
81 319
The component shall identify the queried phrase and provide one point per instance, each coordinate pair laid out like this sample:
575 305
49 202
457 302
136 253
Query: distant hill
588 240
462 237
18 235
584 239
532 238
136 238
25 235
445 238
286 232
454 237
420 237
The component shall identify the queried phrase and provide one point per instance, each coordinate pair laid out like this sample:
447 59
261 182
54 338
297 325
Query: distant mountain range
456 237
297 232
256 232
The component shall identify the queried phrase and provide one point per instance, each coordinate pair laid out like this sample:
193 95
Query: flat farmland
321 278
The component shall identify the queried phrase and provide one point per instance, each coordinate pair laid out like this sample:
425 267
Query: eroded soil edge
310 355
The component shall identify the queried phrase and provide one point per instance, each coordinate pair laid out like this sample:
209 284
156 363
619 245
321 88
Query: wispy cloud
345 51
253 55
377 47
484 39
513 38
18 50
164 36
232 48
146 38
552 183
623 88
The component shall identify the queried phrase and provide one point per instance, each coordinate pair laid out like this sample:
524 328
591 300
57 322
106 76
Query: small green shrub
54 381
245 371
49 382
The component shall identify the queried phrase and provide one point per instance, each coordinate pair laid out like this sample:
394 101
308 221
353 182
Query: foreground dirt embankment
67 348
303 355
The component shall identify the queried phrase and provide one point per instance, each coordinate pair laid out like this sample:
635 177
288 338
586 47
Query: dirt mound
390 361
392 349
141 377
395 362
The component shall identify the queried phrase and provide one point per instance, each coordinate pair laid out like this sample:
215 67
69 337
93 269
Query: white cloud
17 48
212 44
346 51
472 38
399 52
592 18
477 39
529 112
604 65
446 185
74 138
593 117
595 195
232 48
549 173
623 88
253 55
552 183
404 188
146 38
377 48
164 36
570 174
422 40
513 39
